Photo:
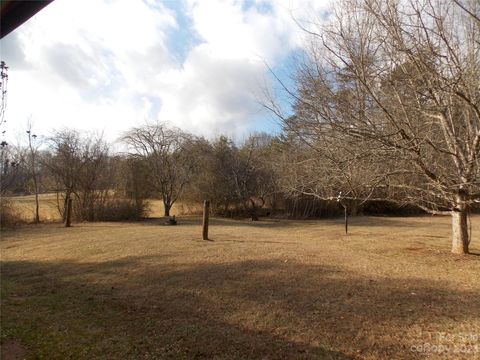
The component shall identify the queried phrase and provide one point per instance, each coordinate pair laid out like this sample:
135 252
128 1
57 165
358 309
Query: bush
9 215
120 210
193 208
311 208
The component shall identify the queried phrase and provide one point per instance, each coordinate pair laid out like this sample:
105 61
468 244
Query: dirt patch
12 349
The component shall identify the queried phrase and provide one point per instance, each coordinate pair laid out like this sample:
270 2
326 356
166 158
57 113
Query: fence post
206 206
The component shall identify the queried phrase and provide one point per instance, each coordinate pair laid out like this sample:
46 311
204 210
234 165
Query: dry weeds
48 209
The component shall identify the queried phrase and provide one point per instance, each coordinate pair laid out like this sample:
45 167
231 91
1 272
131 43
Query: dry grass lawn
274 289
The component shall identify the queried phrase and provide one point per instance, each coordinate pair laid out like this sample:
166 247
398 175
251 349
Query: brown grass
25 208
266 290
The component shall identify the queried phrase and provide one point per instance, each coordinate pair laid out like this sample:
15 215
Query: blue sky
196 64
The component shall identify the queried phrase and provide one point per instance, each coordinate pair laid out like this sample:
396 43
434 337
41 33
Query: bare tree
234 178
393 87
164 152
32 166
132 181
80 167
93 178
10 168
3 90
251 177
218 175
64 163
322 167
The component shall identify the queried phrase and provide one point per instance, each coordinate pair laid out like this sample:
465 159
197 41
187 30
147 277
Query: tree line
160 162
260 176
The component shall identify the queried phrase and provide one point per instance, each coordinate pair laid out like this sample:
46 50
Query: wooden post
68 216
206 206
346 219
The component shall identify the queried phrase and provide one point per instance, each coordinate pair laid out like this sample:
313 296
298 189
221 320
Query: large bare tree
164 151
63 163
80 168
393 89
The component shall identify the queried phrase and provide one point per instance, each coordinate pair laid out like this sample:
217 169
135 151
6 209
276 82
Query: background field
25 207
269 290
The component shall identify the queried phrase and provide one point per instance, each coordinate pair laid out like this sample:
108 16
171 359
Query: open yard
272 289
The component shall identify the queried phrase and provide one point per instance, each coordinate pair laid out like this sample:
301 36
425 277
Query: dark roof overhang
14 13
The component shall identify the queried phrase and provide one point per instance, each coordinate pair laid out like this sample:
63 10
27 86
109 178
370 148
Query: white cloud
107 64
216 89
82 66
209 95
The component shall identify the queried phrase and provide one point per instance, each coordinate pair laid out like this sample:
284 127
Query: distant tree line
160 163
251 179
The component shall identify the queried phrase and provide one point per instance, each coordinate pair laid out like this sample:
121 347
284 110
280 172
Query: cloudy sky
108 65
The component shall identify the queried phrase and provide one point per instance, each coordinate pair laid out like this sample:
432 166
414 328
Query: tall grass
10 216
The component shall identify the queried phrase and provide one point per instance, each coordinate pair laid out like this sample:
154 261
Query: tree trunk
68 212
460 239
166 208
65 205
91 210
37 206
253 211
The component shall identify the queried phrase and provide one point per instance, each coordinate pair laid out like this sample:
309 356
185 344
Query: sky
108 65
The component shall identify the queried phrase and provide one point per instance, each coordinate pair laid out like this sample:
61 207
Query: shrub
120 209
9 215
193 208
307 207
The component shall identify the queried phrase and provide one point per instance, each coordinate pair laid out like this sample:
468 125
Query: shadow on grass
269 223
218 221
142 307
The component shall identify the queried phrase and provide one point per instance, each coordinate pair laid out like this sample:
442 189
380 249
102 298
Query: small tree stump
172 221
